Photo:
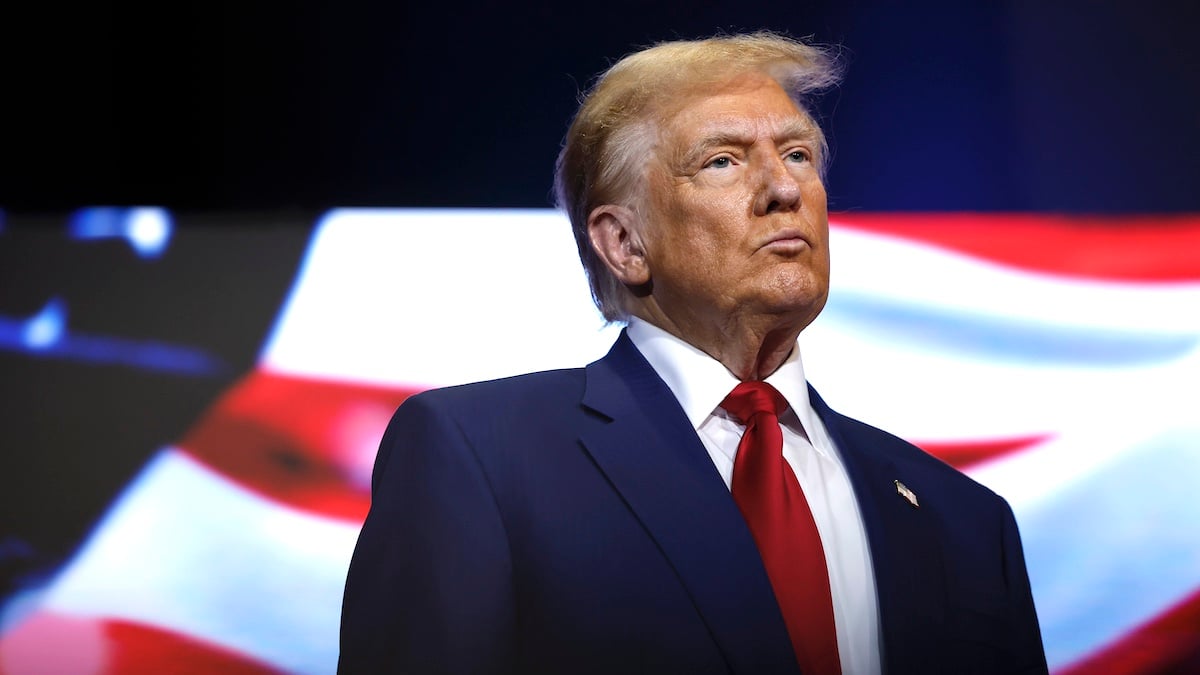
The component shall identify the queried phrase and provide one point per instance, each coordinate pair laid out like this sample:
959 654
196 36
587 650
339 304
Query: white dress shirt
700 383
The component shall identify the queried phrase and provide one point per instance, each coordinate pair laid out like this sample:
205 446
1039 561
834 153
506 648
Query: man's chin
794 312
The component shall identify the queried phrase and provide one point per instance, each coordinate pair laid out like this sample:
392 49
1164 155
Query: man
662 510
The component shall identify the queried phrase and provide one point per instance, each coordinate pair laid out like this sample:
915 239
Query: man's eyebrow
693 153
792 130
797 130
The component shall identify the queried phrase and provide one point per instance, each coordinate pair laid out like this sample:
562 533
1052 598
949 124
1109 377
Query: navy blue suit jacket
572 522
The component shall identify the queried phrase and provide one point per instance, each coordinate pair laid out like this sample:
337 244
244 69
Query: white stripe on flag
384 296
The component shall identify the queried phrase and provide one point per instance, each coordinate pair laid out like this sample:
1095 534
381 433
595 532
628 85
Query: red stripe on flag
1169 643
1132 248
54 643
304 442
962 454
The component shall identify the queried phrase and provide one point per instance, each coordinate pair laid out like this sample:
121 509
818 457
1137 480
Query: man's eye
798 156
719 163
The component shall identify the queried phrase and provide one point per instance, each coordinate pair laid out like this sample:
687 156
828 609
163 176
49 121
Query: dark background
977 106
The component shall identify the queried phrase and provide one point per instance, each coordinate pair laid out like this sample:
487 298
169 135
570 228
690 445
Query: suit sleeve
429 588
1028 651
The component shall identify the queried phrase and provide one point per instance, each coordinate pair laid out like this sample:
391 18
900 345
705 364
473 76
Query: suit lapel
905 549
653 457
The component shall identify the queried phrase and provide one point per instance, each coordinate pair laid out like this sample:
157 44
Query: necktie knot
752 398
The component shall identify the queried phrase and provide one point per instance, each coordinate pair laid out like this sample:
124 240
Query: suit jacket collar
653 457
906 551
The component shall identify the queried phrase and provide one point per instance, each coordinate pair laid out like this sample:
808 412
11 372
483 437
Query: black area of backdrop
1013 106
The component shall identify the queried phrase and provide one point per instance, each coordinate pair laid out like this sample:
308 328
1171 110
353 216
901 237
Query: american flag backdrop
1054 359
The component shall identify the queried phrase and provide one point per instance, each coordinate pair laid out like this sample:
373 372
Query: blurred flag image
1054 359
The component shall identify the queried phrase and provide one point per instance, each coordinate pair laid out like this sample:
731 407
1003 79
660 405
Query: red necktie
770 499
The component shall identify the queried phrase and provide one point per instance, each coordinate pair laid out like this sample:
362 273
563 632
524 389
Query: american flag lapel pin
909 495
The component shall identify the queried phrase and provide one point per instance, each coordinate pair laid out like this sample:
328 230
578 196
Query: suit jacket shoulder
563 521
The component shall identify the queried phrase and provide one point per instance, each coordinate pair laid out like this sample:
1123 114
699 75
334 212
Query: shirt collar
700 382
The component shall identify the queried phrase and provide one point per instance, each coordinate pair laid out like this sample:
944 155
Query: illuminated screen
192 412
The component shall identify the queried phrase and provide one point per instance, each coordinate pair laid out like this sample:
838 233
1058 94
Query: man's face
736 218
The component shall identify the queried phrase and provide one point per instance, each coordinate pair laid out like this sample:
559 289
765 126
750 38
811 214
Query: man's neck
751 349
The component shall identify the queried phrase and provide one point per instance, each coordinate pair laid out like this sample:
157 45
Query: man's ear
616 236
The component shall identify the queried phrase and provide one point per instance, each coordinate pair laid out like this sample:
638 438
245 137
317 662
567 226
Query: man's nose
780 189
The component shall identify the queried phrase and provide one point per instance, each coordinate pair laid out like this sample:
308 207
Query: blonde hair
603 158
